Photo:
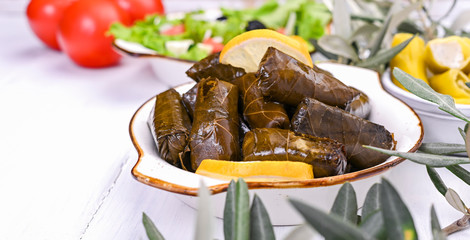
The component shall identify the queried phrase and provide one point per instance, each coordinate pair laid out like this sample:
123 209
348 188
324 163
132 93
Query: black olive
222 18
254 24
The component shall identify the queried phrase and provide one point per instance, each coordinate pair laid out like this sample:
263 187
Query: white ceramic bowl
439 126
395 115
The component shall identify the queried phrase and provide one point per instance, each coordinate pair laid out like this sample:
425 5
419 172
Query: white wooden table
65 152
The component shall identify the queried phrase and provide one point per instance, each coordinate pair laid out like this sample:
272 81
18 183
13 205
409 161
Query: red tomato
43 17
216 46
82 32
138 9
175 30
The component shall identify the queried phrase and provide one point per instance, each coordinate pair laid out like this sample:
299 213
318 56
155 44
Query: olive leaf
396 216
372 201
385 56
455 201
337 45
442 148
328 225
436 180
237 211
345 204
261 227
372 220
204 223
462 133
467 139
379 38
435 226
425 158
229 211
151 229
423 90
374 225
460 172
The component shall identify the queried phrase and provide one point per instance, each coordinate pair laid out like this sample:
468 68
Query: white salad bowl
388 111
439 126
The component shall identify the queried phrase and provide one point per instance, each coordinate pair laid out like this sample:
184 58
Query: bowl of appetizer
173 42
290 128
443 64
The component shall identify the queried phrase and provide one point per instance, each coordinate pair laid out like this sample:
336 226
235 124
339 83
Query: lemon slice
442 54
247 49
256 170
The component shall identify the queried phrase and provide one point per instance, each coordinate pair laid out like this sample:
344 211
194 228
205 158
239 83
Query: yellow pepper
452 82
410 59
447 53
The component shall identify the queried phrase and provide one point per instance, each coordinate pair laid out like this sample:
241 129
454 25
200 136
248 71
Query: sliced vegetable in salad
195 35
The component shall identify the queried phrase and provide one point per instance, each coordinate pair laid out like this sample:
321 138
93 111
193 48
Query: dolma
286 80
318 119
214 133
211 67
170 126
189 100
258 112
325 155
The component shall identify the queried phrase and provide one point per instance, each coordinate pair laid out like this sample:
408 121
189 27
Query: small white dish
395 115
439 126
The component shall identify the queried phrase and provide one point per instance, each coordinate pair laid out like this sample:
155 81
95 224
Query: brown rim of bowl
318 182
146 55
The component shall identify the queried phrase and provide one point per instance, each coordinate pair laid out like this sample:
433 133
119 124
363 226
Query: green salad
195 35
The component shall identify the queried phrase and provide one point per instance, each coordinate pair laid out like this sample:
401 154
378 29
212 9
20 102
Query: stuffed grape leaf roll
258 112
318 119
214 133
189 99
325 155
286 80
211 67
170 126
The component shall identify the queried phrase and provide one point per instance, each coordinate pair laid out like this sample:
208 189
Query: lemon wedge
256 170
247 49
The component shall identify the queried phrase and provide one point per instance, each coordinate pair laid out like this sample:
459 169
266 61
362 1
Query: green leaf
423 90
379 38
455 201
372 201
303 231
261 227
385 56
325 53
237 211
341 19
425 158
460 172
345 204
467 139
437 232
442 148
151 229
462 133
337 45
229 211
436 180
397 218
329 226
204 223
242 212
374 225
